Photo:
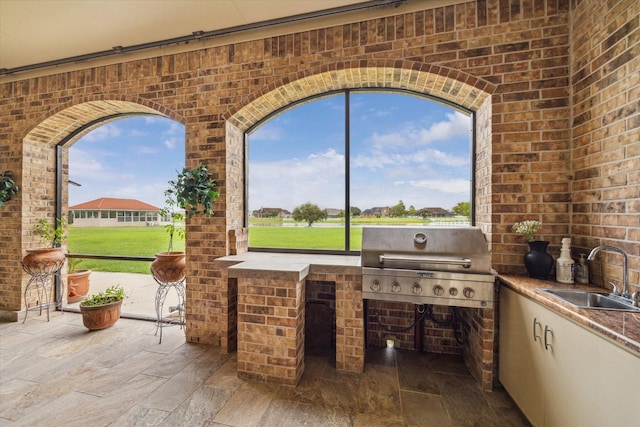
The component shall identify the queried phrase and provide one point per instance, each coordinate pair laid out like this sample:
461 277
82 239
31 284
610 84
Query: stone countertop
621 327
272 261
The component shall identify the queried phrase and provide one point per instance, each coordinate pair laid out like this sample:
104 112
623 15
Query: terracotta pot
168 266
98 317
43 260
77 285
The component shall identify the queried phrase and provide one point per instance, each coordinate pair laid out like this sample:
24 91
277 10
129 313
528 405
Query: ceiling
34 32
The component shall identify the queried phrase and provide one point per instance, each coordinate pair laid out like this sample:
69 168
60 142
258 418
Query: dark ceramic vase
537 261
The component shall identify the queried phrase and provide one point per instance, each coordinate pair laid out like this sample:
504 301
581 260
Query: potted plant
194 191
77 281
102 310
49 258
537 261
8 187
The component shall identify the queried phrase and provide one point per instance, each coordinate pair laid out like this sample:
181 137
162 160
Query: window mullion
347 173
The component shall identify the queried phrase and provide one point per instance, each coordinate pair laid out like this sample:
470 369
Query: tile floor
57 373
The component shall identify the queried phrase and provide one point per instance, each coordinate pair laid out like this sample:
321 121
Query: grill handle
464 262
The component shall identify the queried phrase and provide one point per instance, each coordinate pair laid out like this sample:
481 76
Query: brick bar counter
271 310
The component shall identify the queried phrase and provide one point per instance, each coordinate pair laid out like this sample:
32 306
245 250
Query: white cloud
84 166
267 133
319 178
147 149
378 159
456 186
108 131
287 183
175 128
457 124
171 143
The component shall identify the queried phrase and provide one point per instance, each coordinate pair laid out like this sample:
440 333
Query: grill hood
455 249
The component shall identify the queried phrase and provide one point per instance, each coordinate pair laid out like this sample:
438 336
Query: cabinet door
589 381
520 349
562 374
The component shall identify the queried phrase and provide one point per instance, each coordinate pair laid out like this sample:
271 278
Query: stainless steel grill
427 265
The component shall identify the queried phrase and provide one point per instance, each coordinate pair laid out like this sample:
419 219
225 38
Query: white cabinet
561 374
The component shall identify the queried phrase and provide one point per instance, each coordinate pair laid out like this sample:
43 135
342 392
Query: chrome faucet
625 284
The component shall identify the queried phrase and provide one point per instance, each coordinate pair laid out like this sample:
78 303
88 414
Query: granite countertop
621 327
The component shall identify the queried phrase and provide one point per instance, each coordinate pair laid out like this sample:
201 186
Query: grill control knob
417 289
375 286
395 287
468 292
453 291
438 290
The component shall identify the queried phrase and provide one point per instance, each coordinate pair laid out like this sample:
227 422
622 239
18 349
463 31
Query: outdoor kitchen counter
272 261
621 327
271 311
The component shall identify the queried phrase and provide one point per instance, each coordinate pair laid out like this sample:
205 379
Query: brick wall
510 61
605 77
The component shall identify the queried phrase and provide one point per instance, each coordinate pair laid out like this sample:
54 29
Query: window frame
347 141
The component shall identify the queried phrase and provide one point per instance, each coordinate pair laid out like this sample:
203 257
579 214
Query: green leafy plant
527 228
51 235
172 228
72 264
8 187
194 191
112 294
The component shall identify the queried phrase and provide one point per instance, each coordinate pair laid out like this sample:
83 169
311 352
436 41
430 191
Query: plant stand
161 295
41 279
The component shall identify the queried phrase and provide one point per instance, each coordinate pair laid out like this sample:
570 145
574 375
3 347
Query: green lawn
127 241
147 241
303 237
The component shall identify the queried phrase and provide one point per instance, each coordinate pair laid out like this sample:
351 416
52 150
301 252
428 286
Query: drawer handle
535 334
547 340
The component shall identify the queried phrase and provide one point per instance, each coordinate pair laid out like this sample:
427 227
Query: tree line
310 212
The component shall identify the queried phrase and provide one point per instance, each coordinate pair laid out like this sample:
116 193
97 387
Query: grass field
147 241
303 237
127 241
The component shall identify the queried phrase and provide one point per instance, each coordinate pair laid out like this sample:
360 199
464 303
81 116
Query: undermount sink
591 299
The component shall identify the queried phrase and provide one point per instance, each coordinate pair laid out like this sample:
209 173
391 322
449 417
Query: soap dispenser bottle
565 264
582 270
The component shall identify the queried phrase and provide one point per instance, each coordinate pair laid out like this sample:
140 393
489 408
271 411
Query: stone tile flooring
57 373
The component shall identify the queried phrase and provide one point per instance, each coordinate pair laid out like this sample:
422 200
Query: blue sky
403 148
130 158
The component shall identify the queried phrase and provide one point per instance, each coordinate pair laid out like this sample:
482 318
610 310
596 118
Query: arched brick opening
62 127
447 84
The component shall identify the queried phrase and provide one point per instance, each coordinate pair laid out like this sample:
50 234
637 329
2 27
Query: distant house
334 213
271 213
377 212
109 212
438 212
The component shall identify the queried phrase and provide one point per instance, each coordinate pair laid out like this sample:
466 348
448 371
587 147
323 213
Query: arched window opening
322 168
118 174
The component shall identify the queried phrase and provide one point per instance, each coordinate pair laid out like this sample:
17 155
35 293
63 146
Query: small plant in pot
49 258
102 310
194 191
77 281
8 187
